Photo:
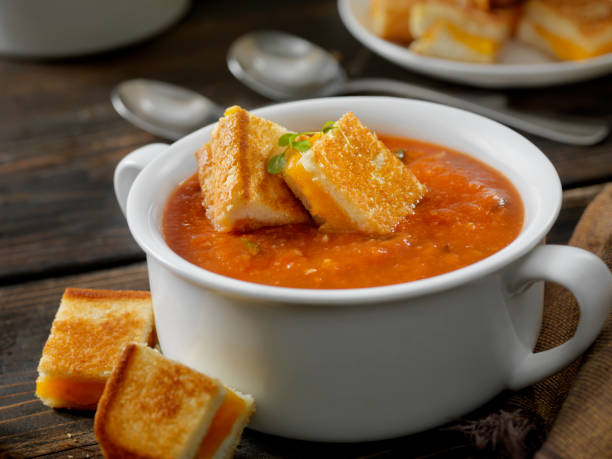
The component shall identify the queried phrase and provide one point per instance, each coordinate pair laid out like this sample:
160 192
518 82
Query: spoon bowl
282 66
163 109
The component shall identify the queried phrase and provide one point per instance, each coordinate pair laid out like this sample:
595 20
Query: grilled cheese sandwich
446 29
390 19
568 29
237 192
488 5
89 331
350 181
154 407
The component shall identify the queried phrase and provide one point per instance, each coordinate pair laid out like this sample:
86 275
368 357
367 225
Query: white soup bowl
370 363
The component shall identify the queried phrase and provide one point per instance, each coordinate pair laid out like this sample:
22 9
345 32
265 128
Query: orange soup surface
469 212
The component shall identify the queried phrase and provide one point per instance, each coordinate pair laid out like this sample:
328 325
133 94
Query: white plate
519 66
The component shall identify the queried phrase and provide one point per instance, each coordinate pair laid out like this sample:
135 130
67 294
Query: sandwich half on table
157 408
88 334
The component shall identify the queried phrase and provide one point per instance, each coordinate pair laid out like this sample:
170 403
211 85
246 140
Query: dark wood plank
60 138
28 428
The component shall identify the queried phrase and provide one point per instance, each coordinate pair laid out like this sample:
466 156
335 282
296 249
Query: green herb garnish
332 125
277 163
252 247
328 127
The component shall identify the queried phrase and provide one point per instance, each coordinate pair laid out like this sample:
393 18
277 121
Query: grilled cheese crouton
390 19
238 194
568 29
89 331
442 28
487 5
157 408
350 181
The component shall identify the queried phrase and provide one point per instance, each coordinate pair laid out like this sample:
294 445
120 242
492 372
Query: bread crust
90 329
153 407
374 189
238 193
390 19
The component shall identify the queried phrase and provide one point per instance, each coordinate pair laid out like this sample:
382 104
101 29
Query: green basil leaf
252 247
276 164
303 145
328 127
284 139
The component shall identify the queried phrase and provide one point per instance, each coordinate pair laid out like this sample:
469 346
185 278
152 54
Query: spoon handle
578 132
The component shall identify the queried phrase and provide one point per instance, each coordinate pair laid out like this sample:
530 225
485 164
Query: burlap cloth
568 415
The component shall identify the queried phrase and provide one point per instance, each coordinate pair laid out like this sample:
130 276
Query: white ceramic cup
64 28
370 363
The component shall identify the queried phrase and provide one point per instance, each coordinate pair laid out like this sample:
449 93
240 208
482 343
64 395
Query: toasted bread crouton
350 181
391 19
446 29
238 194
488 5
568 29
157 408
89 331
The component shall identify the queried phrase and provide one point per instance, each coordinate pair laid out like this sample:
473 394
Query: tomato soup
469 212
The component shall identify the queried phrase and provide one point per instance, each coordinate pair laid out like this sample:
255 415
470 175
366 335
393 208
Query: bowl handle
589 279
130 166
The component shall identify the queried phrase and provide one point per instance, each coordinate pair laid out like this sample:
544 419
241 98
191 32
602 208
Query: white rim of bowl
138 217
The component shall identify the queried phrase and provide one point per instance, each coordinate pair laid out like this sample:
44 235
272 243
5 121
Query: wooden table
60 226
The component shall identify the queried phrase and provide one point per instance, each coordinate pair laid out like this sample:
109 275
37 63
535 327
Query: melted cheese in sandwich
319 200
567 49
476 43
221 425
79 394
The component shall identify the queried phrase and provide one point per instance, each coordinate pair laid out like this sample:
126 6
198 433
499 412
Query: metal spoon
282 66
163 109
